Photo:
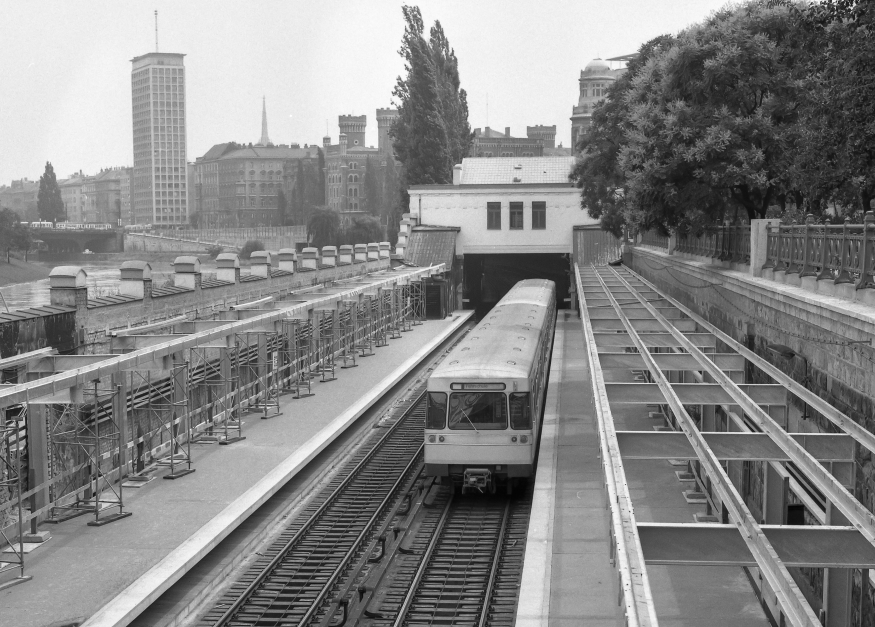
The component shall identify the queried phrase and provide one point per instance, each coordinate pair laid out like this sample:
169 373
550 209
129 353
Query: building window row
538 215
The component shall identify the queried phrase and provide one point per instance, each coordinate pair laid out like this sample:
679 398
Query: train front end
478 433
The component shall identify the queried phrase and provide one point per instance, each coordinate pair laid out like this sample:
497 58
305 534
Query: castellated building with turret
348 161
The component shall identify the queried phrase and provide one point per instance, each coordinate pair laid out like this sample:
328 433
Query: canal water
103 280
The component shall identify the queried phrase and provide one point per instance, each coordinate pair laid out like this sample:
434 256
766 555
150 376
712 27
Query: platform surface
82 568
568 578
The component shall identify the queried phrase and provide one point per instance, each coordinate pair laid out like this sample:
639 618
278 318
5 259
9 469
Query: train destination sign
477 386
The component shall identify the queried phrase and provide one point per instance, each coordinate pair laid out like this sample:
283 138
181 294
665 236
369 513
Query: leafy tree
194 219
22 238
710 116
50 205
597 171
249 247
431 132
363 230
323 226
281 207
836 157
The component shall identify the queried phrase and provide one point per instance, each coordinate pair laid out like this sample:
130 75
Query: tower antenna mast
156 30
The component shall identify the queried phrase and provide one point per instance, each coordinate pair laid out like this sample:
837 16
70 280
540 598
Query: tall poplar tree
49 203
432 132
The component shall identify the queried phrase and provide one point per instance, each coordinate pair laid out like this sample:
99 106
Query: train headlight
440 438
431 438
513 439
524 438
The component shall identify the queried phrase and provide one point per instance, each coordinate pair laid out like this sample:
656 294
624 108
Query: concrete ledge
125 607
534 599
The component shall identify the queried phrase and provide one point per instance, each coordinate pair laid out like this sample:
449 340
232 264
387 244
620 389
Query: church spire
265 140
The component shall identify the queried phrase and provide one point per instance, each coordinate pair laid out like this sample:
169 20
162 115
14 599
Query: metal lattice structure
85 431
417 301
257 372
222 422
662 356
347 322
12 484
324 326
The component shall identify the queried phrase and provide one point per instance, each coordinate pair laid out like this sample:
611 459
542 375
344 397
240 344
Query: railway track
297 573
469 574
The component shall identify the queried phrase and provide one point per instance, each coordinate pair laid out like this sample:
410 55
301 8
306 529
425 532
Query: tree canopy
50 205
323 227
432 132
763 106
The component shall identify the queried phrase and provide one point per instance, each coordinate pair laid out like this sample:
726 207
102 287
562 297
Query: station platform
568 578
107 575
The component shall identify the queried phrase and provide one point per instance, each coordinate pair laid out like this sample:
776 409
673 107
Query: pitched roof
267 152
430 245
505 170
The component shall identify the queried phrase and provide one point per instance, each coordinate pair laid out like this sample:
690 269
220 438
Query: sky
65 91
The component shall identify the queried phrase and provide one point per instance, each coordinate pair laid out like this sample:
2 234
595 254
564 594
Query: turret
353 126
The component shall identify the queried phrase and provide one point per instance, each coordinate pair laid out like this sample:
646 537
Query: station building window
539 215
493 216
516 216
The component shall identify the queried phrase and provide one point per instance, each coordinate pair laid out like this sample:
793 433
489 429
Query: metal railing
655 239
844 253
725 242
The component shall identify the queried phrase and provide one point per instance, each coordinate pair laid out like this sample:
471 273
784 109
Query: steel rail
493 572
423 565
850 507
634 581
856 431
62 381
788 594
271 566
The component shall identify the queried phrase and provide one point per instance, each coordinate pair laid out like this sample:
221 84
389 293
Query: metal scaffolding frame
347 320
417 301
298 356
257 371
216 375
324 323
715 419
365 327
12 422
87 427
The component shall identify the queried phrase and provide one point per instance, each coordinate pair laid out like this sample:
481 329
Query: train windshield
436 414
478 411
520 413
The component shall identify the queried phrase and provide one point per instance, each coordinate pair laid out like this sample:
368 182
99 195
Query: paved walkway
81 568
568 579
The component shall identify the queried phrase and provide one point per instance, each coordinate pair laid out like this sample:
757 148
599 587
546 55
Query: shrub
250 247
213 250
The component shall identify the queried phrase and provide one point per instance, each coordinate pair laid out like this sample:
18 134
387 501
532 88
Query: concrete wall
465 207
273 237
150 243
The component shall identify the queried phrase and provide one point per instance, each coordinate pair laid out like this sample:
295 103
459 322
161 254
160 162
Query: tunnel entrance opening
489 277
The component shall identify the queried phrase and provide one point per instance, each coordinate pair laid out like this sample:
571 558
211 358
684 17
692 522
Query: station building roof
519 170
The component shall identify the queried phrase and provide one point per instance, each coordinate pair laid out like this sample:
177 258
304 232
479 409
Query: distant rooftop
506 170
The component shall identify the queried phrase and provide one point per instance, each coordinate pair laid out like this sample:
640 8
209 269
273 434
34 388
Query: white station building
502 220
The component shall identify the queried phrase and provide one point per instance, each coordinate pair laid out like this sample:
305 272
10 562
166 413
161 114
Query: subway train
485 399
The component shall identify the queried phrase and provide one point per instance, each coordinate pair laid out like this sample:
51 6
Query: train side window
436 414
520 412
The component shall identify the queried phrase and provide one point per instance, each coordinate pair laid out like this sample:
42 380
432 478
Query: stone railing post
867 253
136 280
672 242
807 246
187 272
67 288
260 263
288 258
759 244
228 268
